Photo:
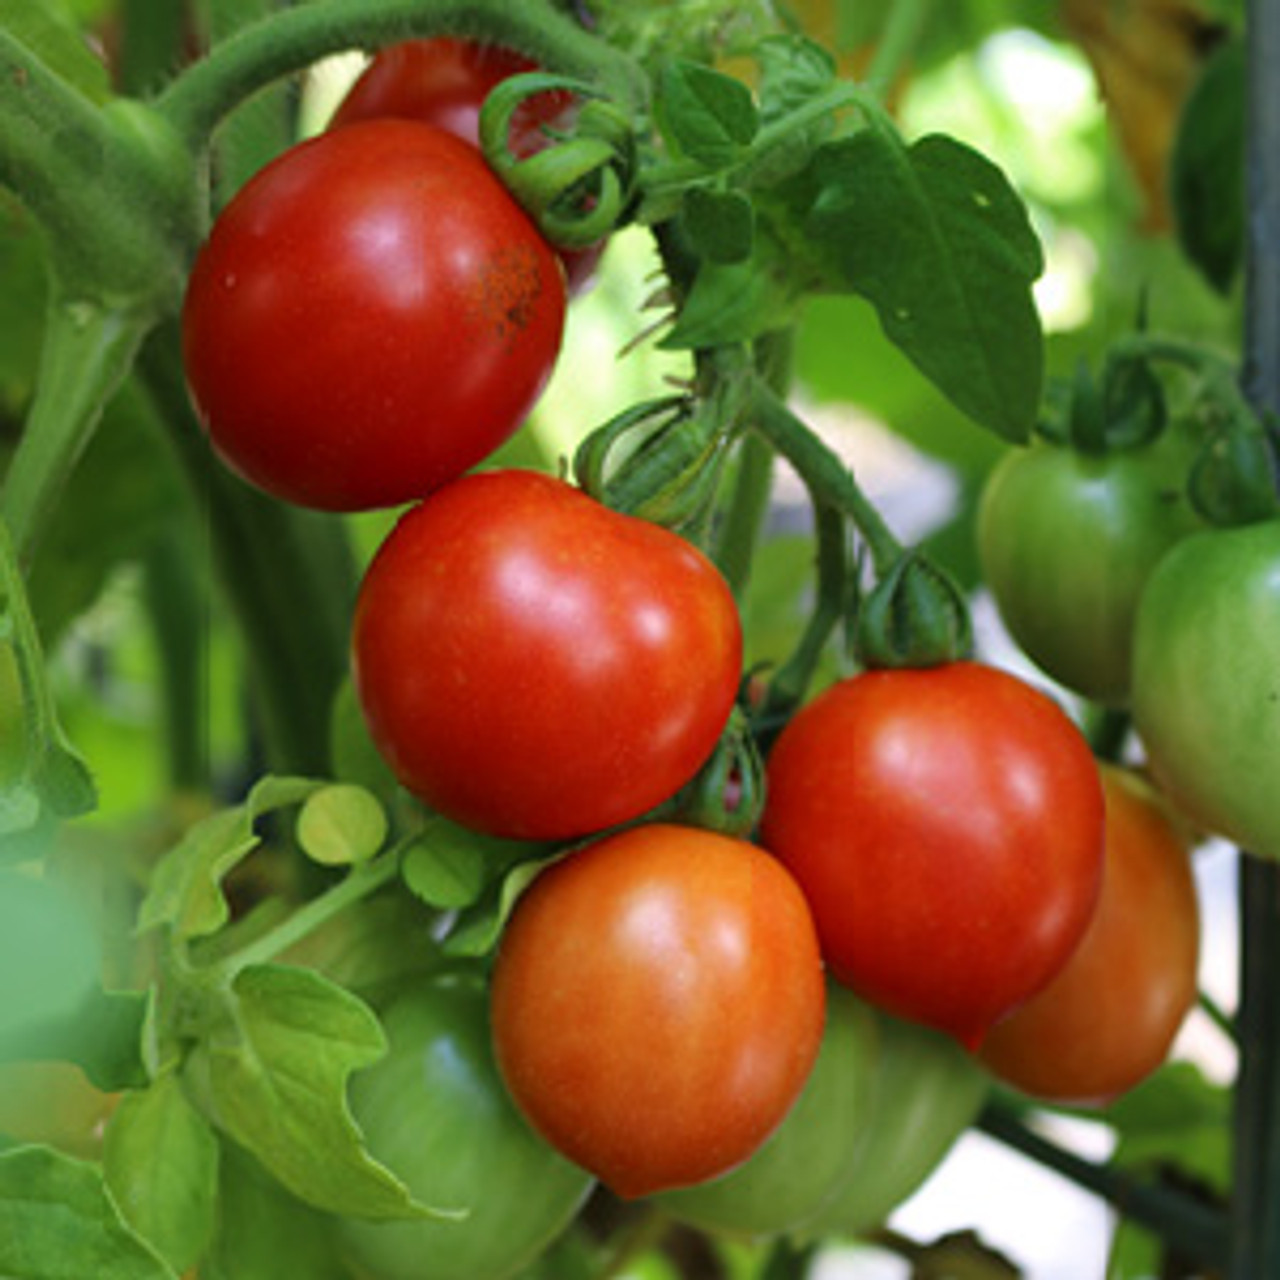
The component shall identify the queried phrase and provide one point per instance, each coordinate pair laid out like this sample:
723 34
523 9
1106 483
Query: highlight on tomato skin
537 666
371 316
658 1004
1108 1020
946 825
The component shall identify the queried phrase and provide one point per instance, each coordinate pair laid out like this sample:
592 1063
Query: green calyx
915 616
580 187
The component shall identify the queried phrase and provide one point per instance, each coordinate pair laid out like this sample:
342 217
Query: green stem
788 687
828 480
358 883
906 19
288 574
87 352
292 39
739 532
1189 1226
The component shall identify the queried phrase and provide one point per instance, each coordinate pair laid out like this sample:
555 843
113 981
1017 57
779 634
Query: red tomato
534 665
946 825
658 1004
1108 1019
444 82
371 316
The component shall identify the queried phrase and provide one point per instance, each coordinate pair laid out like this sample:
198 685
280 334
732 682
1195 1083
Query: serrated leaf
937 240
58 1220
186 887
704 115
1207 183
160 1160
721 224
273 1076
341 824
47 31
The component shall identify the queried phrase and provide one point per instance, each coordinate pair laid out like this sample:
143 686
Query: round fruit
536 666
1108 1019
658 1004
946 825
371 316
435 1112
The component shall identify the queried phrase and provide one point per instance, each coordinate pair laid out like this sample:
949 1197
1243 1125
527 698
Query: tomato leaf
793 71
58 1219
341 824
271 1072
186 888
733 302
721 224
160 1159
705 115
1207 170
260 1223
937 240
478 929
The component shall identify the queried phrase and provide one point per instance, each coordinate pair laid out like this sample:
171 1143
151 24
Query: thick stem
87 352
1255 1224
288 575
292 39
738 534
828 480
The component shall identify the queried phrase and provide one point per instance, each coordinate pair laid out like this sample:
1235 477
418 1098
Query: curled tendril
579 187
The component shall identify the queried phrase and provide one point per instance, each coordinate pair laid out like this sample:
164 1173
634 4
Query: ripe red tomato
658 1004
1107 1020
371 315
534 665
946 825
444 82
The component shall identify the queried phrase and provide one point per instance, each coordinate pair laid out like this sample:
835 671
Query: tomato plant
371 315
538 666
1068 539
946 825
443 82
413 852
1109 1017
658 1005
436 1111
1204 673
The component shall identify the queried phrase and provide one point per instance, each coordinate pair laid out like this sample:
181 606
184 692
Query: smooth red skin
444 82
1109 1018
946 825
371 316
657 1005
534 665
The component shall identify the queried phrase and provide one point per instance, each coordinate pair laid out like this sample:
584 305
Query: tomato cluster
782 1035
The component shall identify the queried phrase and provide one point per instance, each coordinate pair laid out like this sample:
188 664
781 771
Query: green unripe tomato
798 1169
1206 681
434 1110
927 1092
1067 541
